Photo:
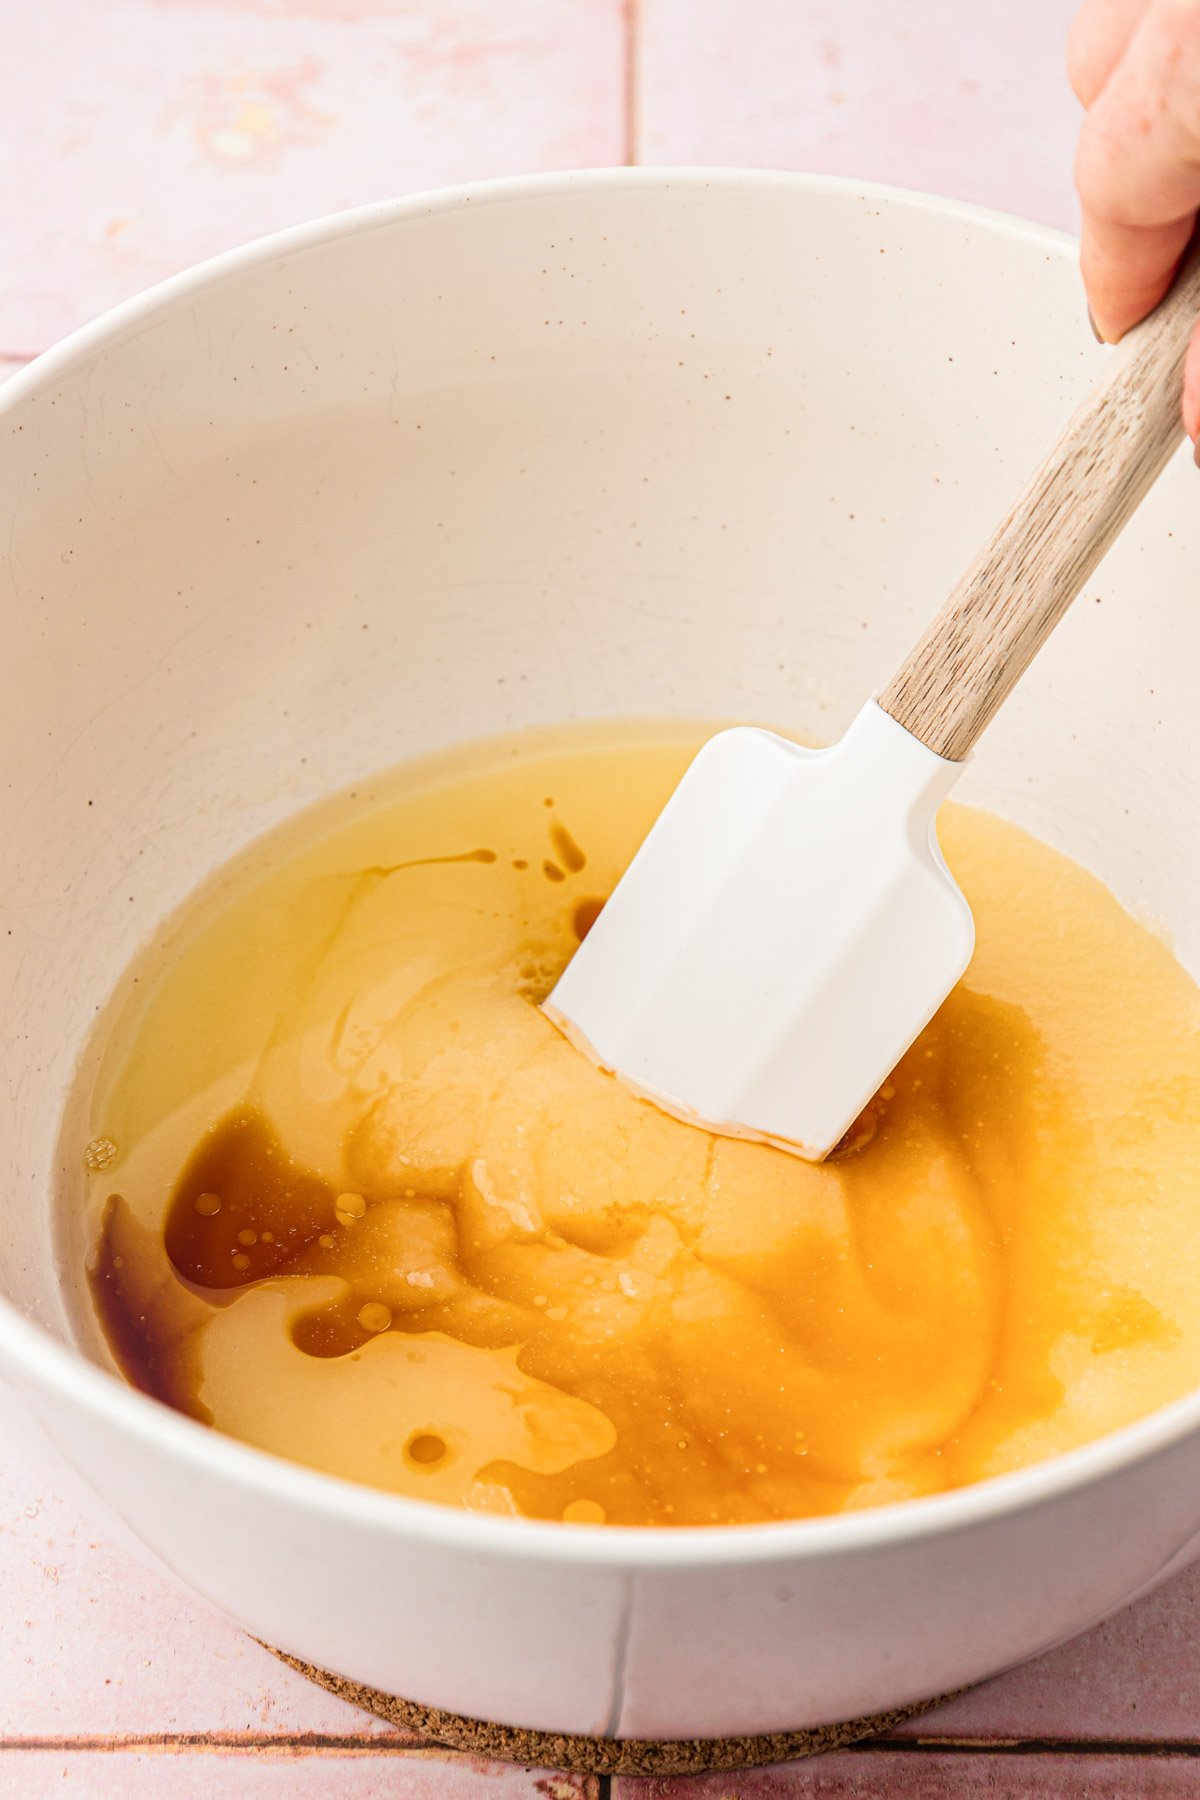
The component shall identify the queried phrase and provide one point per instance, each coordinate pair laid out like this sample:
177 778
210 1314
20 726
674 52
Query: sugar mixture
358 1203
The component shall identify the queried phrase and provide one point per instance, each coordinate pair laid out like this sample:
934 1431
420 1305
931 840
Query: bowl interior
602 445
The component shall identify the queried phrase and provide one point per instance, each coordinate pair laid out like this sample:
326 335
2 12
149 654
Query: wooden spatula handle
1044 549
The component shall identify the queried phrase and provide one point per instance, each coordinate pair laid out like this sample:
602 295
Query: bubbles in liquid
207 1205
350 1207
100 1154
584 1512
375 1316
426 1448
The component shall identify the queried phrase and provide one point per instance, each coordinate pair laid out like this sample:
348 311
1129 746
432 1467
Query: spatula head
786 930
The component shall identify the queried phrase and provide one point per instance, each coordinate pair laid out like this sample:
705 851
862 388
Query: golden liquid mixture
357 1202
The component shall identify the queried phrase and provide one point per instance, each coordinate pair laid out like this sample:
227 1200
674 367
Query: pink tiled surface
142 135
139 135
883 1774
964 99
273 1774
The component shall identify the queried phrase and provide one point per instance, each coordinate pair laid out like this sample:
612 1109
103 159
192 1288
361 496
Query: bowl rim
59 1373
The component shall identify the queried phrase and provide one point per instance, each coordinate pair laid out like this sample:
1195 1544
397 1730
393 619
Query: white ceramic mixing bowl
617 443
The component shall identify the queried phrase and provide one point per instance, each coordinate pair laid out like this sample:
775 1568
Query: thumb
1138 168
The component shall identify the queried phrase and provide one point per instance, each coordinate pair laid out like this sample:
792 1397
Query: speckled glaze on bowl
609 443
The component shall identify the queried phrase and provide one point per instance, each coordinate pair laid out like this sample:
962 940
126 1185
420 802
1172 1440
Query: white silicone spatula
789 926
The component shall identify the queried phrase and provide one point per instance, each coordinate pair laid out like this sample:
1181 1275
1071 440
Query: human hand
1135 65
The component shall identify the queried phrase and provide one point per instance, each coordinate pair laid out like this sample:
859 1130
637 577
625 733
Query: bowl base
603 1756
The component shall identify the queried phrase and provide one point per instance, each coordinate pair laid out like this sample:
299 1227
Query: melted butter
362 1206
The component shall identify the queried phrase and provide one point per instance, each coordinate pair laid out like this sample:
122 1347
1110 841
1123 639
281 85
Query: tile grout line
329 1743
226 1742
1032 1746
632 24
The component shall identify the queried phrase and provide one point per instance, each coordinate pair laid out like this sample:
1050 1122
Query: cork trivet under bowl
603 1756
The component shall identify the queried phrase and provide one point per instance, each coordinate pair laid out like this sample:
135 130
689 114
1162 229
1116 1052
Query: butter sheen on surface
362 1206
